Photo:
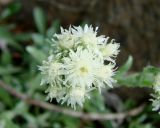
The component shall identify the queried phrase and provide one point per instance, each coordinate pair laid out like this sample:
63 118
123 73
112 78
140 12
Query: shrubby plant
81 61
79 66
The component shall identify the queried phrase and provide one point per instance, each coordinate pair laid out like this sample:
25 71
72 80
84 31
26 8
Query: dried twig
84 116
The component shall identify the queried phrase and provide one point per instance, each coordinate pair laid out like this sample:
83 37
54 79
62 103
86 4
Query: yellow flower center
84 70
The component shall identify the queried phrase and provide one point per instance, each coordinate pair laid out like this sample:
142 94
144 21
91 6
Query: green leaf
129 81
53 28
38 38
139 122
93 106
69 122
145 78
11 10
5 98
10 124
23 36
34 83
5 70
6 57
42 119
123 69
37 54
7 37
30 118
40 19
151 69
21 107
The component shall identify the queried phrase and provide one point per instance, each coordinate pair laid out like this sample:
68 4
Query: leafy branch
82 115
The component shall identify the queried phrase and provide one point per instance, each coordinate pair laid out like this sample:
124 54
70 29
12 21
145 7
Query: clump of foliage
21 52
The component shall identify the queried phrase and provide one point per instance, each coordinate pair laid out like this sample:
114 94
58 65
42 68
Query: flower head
52 71
104 76
66 40
88 36
55 92
110 50
76 65
80 68
75 96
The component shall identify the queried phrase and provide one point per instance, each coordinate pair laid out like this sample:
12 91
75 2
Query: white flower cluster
156 96
77 66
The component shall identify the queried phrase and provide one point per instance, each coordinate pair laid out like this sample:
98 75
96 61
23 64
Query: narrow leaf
40 19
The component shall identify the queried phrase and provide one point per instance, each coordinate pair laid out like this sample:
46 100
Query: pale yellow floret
52 72
104 76
109 50
75 96
88 36
55 92
80 68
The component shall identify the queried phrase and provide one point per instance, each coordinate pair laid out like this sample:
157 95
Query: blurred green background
25 29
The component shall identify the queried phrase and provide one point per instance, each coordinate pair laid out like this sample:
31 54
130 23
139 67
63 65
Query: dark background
133 23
